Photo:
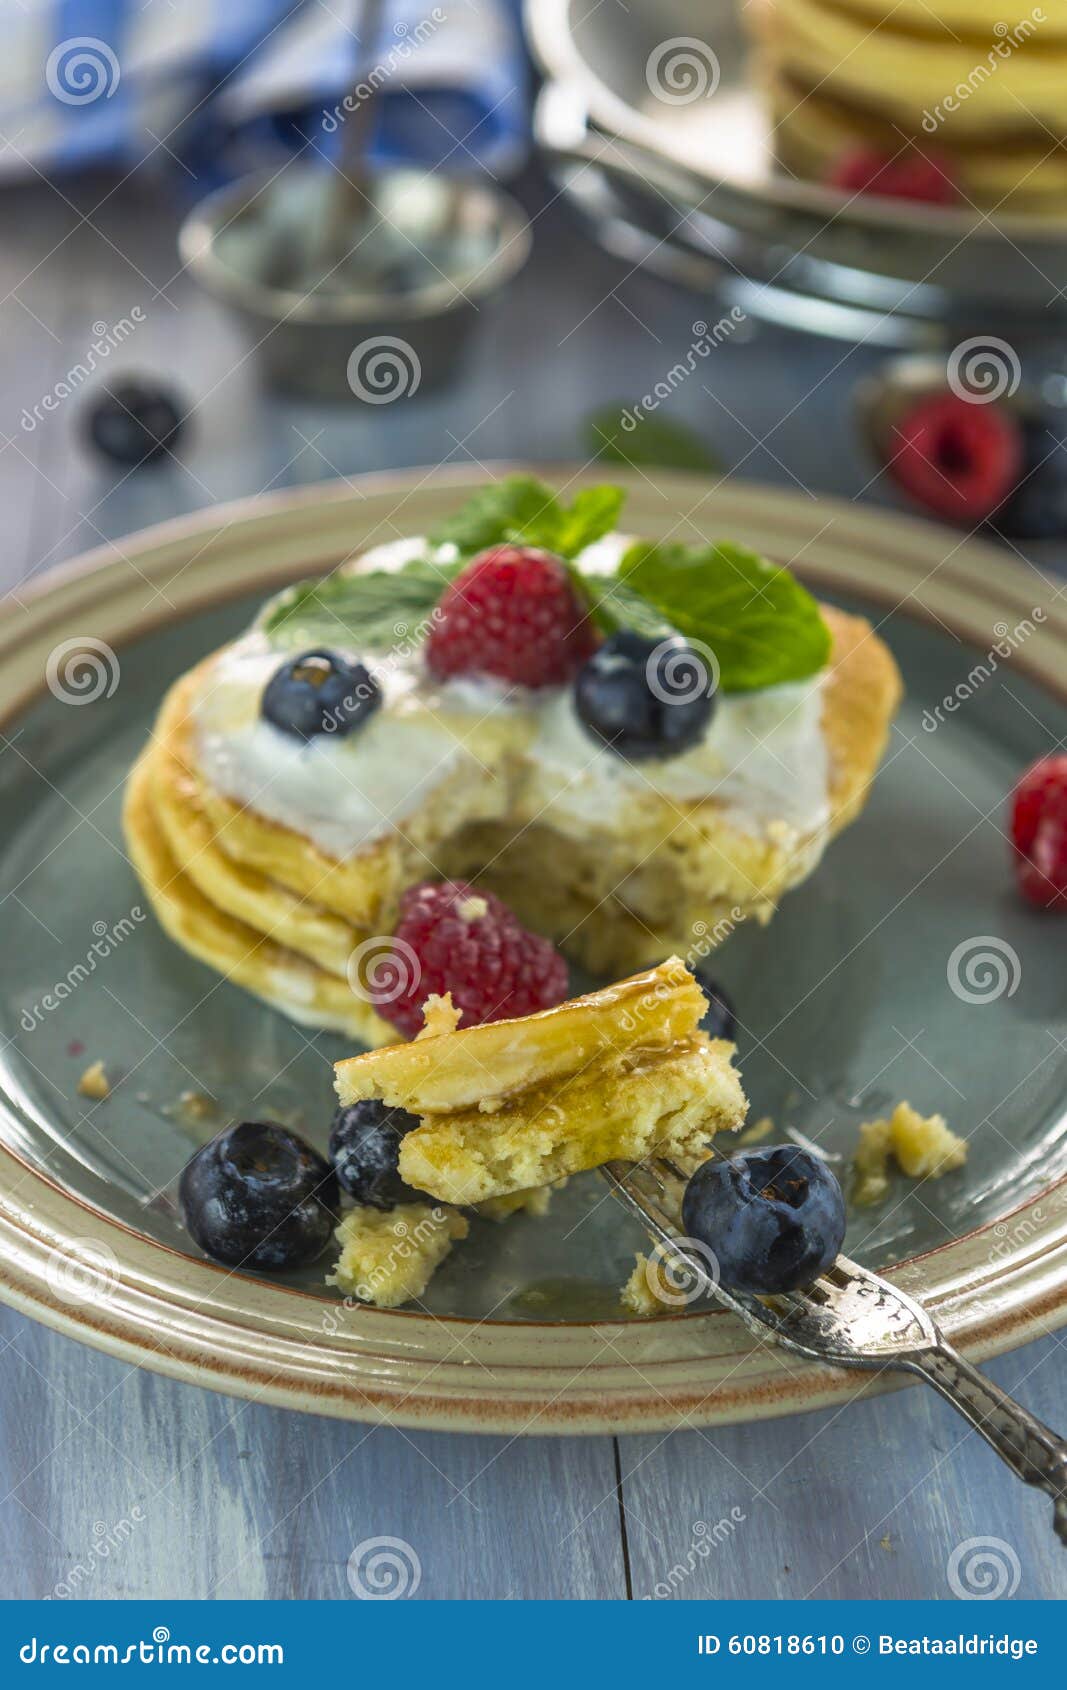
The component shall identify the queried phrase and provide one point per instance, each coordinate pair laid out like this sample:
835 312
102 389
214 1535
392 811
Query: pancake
814 131
274 911
389 1258
987 97
879 64
248 955
978 19
625 1072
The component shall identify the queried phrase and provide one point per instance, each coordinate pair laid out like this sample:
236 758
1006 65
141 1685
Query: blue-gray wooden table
114 1482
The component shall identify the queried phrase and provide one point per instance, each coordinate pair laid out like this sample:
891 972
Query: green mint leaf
613 604
498 513
593 513
522 509
762 625
653 442
366 612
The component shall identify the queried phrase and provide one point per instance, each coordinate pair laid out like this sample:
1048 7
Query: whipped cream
764 759
340 792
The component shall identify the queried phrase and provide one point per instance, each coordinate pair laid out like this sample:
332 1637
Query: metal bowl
326 318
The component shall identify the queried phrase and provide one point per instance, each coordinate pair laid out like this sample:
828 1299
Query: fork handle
1029 1448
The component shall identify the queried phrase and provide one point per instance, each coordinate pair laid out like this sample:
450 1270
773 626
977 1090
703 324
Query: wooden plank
33 310
114 1482
869 1501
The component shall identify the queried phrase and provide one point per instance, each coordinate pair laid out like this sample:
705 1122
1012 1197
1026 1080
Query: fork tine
624 1179
664 1170
656 1221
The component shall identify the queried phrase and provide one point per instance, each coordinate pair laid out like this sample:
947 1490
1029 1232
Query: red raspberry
469 943
1039 832
957 457
909 176
512 613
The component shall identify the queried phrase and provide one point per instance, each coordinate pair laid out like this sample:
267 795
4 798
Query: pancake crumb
439 1016
922 1146
472 908
198 1106
637 1294
758 1131
94 1082
389 1258
640 1294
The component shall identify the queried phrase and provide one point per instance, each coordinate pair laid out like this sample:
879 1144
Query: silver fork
851 1317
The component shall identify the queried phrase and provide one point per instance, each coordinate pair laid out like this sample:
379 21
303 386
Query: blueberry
720 1021
773 1219
134 421
257 1196
319 693
365 1149
645 698
1037 509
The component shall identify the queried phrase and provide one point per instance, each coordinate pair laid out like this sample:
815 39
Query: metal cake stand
652 122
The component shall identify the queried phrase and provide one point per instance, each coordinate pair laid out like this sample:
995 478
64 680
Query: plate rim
197 1322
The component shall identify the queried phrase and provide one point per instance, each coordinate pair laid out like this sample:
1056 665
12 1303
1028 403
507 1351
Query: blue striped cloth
210 88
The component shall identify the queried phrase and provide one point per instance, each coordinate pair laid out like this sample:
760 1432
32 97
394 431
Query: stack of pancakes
305 931
982 90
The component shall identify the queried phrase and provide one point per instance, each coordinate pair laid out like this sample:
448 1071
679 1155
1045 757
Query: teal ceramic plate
907 967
